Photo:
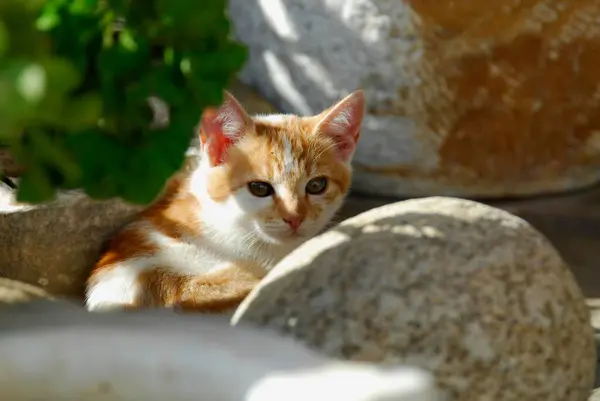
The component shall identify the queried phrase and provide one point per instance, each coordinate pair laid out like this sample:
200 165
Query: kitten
261 186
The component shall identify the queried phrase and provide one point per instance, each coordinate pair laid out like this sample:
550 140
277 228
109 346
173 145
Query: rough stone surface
571 222
54 245
470 292
13 292
57 351
461 94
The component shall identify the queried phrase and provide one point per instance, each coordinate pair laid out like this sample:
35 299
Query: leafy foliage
75 78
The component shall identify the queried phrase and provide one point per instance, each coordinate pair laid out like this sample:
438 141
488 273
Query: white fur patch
232 124
183 257
116 286
272 118
290 164
230 226
341 121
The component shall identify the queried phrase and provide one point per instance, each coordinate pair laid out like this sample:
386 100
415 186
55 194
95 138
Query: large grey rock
54 245
469 292
461 94
57 351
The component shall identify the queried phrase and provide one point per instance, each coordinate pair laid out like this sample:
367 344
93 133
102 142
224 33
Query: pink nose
293 222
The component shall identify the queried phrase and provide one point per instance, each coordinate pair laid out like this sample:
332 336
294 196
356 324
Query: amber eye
260 189
316 186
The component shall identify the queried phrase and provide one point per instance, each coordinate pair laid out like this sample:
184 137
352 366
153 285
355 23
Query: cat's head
278 178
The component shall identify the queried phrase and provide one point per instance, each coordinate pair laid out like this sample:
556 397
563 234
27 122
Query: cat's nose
294 222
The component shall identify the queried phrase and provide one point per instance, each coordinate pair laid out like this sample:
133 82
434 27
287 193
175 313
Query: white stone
59 352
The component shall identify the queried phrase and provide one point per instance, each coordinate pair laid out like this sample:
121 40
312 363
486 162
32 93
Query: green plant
75 78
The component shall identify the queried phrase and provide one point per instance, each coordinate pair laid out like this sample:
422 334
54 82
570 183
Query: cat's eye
316 186
260 189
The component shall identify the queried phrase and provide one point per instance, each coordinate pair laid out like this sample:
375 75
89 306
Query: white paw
113 289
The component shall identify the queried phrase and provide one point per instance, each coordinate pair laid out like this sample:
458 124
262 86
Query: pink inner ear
343 122
222 127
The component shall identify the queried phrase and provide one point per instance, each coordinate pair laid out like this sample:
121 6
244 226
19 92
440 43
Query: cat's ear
221 127
342 123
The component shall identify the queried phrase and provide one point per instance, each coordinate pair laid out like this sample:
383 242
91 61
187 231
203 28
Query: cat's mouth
289 236
283 237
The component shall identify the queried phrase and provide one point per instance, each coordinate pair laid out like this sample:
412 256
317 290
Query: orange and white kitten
261 186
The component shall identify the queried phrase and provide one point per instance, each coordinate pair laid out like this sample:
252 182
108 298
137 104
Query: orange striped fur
259 187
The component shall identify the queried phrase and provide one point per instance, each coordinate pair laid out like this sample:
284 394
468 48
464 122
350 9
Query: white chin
280 238
270 238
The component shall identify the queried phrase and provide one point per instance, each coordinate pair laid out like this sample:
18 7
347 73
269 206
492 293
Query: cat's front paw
109 307
112 290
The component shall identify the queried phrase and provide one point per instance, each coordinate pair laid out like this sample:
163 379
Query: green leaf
35 186
83 6
62 75
4 38
82 112
100 158
31 83
75 76
48 20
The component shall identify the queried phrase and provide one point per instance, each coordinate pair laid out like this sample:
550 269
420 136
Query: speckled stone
468 291
54 245
460 93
